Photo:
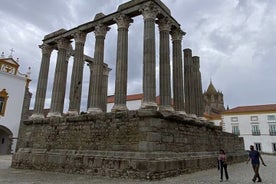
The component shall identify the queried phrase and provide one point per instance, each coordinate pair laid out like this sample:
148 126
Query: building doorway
5 140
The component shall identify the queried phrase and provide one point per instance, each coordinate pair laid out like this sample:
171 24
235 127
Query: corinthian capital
63 43
123 21
46 49
69 52
101 30
80 37
164 24
177 34
149 11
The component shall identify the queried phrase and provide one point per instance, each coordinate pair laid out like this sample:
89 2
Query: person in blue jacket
255 158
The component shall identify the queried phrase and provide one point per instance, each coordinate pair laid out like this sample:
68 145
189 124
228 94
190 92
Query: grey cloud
234 39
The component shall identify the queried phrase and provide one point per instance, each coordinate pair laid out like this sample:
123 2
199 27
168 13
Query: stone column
164 65
42 82
198 94
95 103
59 86
178 92
188 80
77 74
90 84
123 23
149 13
106 71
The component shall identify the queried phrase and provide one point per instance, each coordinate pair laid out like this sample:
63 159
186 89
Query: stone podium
156 141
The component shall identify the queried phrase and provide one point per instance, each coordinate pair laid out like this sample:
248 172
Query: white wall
131 105
245 126
15 87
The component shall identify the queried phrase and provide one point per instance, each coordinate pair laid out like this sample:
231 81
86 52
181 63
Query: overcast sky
235 40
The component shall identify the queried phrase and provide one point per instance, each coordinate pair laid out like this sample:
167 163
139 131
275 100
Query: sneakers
259 181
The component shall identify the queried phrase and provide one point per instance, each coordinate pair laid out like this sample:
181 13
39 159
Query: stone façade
128 144
151 143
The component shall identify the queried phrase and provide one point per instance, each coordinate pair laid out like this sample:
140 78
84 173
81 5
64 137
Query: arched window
3 101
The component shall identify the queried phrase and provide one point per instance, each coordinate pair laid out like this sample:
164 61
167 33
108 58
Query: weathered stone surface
56 33
137 2
123 145
151 143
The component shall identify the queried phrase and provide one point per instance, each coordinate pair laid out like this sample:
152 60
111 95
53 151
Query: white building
133 102
13 86
256 124
215 118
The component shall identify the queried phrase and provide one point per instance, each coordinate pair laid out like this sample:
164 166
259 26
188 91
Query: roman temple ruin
153 142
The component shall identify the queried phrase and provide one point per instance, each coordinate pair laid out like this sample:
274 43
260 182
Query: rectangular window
255 130
271 118
258 146
3 140
235 129
234 119
254 118
2 100
272 129
274 147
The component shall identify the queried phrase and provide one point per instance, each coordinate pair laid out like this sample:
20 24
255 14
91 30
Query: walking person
222 164
255 158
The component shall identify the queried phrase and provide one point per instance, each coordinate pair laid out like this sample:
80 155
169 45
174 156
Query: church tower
213 100
14 101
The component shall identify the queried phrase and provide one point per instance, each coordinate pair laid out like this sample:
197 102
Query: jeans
223 166
256 171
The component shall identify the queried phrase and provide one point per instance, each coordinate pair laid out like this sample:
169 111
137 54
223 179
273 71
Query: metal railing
236 132
256 132
272 132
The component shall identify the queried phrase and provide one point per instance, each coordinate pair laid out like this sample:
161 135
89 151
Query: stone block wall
124 145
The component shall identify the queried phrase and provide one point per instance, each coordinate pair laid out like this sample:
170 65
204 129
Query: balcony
237 132
256 132
272 132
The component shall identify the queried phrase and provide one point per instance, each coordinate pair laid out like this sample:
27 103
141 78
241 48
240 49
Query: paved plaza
239 174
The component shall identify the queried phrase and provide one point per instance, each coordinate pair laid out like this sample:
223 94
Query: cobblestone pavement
241 173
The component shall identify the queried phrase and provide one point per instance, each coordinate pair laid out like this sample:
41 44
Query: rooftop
252 109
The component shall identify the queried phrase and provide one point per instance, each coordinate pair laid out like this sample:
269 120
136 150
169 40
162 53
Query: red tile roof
212 116
111 99
253 108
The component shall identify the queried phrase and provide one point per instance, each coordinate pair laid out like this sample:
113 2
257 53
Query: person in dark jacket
255 158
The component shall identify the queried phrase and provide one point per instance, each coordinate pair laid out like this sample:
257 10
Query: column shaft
178 92
77 74
105 87
59 86
164 65
188 80
199 95
97 80
42 82
149 82
90 85
121 64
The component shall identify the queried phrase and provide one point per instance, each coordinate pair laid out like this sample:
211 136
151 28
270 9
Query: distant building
256 124
14 94
133 102
213 100
213 104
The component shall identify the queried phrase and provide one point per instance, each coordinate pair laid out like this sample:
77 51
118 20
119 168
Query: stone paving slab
241 173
